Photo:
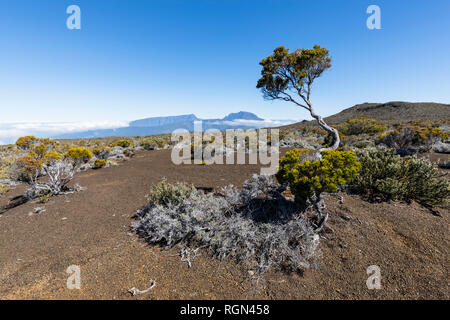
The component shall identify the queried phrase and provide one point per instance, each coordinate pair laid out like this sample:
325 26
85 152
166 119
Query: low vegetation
255 226
391 177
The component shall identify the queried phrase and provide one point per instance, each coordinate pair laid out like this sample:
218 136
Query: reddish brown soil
91 229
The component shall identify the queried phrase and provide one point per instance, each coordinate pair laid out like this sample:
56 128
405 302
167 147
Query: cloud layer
9 132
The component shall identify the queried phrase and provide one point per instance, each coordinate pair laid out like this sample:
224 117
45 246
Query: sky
135 59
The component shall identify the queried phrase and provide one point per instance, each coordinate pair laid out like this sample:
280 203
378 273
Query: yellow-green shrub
99 163
28 168
51 157
39 151
307 178
26 142
361 126
78 155
4 189
122 143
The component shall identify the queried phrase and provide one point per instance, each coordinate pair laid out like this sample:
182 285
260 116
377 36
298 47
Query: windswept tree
289 77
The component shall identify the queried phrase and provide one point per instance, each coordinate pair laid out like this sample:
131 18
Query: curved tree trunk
326 127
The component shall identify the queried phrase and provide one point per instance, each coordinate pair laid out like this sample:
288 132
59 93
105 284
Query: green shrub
164 193
51 157
122 143
361 126
99 163
3 189
389 176
153 143
307 178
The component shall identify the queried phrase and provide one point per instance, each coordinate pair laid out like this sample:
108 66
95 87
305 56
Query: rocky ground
90 229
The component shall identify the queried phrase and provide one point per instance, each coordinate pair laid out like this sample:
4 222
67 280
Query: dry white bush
59 173
255 226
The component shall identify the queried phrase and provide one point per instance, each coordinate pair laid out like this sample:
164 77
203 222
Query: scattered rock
445 165
85 167
406 151
441 147
8 182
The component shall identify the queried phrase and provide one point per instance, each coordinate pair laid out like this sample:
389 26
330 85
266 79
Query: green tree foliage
286 75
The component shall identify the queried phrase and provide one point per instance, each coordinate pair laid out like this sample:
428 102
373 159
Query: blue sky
136 59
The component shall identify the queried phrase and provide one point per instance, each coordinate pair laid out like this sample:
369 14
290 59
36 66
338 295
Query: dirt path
91 229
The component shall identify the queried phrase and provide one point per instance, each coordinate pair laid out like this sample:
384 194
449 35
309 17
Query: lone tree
285 74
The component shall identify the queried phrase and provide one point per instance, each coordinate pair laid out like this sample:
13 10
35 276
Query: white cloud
257 123
9 132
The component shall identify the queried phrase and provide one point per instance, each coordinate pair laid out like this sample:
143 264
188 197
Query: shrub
129 153
389 176
27 168
153 143
361 126
122 143
39 151
307 178
51 157
227 224
78 155
99 163
5 165
3 189
25 143
364 144
413 136
101 152
165 193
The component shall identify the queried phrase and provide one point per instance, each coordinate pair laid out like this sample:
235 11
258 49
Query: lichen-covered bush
307 178
122 143
389 176
258 230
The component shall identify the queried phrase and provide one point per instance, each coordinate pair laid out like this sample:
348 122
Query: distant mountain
162 121
161 125
242 115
